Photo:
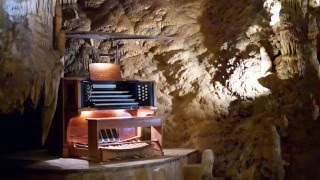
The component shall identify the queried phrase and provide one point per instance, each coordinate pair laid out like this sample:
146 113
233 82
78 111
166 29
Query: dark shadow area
249 140
21 132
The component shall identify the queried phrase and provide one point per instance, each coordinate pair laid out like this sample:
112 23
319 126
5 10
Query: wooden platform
38 165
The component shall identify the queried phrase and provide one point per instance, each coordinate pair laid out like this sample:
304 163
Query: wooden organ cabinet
103 115
103 119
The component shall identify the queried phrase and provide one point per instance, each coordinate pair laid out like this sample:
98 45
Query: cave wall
29 72
198 73
228 81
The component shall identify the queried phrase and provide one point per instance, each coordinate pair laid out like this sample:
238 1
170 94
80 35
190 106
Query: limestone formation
30 68
298 31
265 62
216 57
233 79
207 164
209 79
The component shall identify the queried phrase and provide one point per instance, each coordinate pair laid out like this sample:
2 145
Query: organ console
103 119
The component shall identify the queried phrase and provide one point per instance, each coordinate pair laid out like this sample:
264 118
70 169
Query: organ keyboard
103 120
116 94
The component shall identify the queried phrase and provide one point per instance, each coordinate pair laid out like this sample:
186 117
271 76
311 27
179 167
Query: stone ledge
37 164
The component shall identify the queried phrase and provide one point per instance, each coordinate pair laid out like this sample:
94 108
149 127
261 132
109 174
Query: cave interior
238 79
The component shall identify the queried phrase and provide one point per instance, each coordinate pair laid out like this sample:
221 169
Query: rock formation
233 79
214 60
30 68
216 85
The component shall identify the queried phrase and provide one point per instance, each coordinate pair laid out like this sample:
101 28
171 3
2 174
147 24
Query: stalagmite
207 164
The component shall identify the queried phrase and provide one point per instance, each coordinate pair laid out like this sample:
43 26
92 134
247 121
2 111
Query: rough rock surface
215 82
29 68
214 59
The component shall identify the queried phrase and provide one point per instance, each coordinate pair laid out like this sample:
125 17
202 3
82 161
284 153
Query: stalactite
293 32
51 87
34 67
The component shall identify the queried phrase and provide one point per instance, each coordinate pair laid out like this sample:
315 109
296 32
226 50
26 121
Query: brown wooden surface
70 104
127 133
95 124
78 152
84 126
77 130
156 133
93 130
109 154
107 123
154 93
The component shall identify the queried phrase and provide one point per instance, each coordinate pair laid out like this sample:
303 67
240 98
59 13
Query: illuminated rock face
198 74
217 57
29 67
219 82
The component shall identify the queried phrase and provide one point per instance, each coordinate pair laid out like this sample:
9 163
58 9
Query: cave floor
39 165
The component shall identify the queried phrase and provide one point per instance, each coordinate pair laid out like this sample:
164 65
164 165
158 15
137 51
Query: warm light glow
139 130
117 112
86 113
102 113
104 71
